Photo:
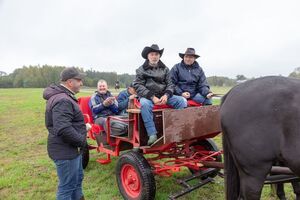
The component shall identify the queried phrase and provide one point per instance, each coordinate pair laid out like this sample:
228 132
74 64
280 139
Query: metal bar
272 179
218 95
281 170
213 164
190 189
197 175
120 119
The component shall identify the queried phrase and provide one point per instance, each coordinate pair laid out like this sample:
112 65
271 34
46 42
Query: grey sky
253 38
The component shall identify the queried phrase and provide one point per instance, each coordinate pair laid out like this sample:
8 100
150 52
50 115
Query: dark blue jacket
123 100
97 107
189 79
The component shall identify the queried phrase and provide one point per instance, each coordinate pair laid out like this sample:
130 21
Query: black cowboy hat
189 52
152 48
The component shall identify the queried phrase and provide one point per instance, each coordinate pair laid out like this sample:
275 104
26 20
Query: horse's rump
260 126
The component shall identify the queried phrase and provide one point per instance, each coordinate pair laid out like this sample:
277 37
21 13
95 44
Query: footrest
103 161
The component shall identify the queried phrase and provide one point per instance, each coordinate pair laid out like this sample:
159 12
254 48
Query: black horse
261 125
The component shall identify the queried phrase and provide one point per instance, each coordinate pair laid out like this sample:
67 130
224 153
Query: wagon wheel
85 156
206 144
135 178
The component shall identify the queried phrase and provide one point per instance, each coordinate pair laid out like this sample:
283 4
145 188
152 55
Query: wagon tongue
188 187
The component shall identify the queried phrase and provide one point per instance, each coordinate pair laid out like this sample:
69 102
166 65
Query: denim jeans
201 99
176 102
70 175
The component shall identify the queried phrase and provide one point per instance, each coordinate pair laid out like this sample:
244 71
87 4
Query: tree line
42 76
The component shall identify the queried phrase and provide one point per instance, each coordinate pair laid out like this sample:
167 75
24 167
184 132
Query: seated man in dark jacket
124 97
103 104
154 87
189 79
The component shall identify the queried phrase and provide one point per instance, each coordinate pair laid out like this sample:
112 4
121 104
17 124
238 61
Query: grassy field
26 172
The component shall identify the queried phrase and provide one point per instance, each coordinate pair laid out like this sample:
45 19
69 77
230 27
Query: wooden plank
133 110
190 123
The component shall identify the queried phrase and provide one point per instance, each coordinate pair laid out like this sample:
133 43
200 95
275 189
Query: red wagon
184 141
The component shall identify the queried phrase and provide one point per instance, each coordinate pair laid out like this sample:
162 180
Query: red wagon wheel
135 178
130 181
208 145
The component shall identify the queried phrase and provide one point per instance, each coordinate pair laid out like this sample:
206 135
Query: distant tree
295 73
6 82
240 77
2 73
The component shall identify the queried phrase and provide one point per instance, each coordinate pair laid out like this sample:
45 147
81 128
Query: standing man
154 86
67 133
189 79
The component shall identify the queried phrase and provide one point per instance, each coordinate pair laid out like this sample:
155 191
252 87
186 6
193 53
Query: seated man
154 86
103 104
124 97
189 79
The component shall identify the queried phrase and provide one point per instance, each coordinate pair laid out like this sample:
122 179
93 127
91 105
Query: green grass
220 90
26 172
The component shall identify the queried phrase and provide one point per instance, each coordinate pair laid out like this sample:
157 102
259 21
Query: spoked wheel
85 156
135 178
208 145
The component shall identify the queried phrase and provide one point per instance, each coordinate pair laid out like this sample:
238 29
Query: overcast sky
253 38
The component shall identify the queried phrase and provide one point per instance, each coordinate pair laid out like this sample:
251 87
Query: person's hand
156 100
209 95
112 100
163 100
106 102
88 126
132 96
186 95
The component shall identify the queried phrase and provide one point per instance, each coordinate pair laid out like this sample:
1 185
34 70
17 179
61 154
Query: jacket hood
53 90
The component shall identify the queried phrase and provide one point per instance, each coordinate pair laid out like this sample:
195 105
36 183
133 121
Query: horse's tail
232 180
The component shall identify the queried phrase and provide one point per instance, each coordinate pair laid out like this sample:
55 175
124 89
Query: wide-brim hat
189 52
152 48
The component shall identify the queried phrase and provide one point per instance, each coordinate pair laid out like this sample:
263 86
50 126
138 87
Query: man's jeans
70 174
201 99
176 102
